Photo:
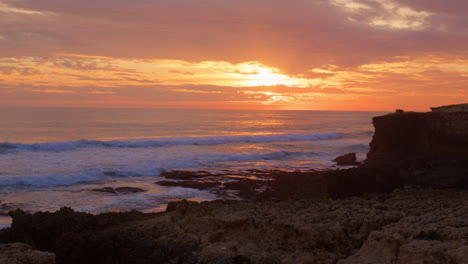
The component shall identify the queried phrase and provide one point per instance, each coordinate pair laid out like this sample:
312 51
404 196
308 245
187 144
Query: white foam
56 169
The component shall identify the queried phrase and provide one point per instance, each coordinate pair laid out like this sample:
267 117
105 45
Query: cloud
182 72
7 8
53 91
11 70
214 51
294 36
385 14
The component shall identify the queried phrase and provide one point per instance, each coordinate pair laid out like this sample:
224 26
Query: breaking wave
161 142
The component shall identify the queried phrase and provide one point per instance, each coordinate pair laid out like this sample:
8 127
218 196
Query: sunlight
262 76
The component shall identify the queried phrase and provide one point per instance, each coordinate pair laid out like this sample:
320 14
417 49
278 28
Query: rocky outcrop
400 227
423 236
347 160
425 149
19 253
250 184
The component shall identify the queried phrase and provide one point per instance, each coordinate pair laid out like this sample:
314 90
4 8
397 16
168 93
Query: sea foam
45 175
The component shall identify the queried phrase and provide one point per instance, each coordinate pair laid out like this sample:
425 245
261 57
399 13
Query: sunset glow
325 55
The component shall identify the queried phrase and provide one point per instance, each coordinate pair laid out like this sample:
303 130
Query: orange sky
255 54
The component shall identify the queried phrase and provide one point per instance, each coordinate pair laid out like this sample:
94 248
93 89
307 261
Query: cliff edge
428 149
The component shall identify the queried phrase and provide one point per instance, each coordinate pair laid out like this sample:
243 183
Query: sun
256 74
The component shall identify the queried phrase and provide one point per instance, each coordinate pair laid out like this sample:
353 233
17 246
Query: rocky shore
417 226
407 203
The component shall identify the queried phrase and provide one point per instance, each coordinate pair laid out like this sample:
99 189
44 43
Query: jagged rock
401 226
347 159
19 253
423 236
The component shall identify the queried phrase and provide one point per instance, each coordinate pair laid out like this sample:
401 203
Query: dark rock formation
400 227
125 190
347 159
19 253
200 185
427 149
73 236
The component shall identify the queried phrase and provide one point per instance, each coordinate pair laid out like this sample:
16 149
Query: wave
46 178
161 142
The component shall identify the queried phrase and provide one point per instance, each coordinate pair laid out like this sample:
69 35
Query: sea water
54 157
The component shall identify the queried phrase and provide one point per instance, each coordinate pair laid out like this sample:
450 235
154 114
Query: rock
125 190
347 159
421 236
105 189
401 227
450 108
17 253
119 190
425 149
185 175
200 185
433 135
360 180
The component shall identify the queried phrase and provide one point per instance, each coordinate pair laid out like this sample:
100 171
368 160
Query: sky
234 54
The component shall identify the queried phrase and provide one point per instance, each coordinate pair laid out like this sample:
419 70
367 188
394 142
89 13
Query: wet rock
200 185
347 159
105 189
125 190
247 188
185 175
360 180
17 253
119 190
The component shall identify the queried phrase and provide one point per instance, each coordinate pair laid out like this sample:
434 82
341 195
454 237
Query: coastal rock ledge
19 253
425 149
398 228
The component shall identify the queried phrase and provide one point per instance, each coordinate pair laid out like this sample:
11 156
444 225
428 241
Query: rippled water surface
53 157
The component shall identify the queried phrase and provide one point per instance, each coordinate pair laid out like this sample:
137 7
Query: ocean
54 157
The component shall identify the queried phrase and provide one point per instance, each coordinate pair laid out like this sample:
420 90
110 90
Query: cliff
429 149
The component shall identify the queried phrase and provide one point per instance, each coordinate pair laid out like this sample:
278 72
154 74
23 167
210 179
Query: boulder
347 159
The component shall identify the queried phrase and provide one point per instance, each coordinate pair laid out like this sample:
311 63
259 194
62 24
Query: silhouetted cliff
427 149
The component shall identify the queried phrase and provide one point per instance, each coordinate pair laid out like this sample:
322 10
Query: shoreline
407 203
